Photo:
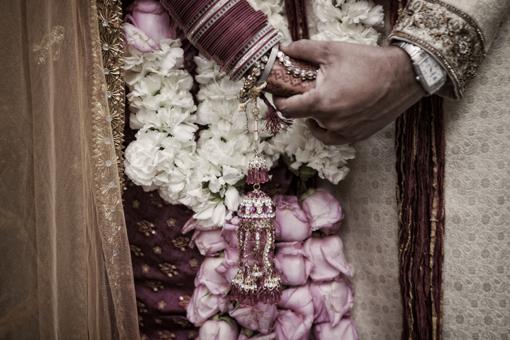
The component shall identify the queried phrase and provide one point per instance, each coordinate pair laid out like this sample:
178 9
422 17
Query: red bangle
230 32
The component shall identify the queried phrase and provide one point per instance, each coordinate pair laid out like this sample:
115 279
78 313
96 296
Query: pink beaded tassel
274 122
256 279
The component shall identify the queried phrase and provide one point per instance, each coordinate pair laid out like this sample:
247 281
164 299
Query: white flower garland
202 172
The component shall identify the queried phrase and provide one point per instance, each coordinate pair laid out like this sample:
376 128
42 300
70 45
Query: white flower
232 198
207 70
173 56
143 157
298 143
149 86
348 20
212 213
361 12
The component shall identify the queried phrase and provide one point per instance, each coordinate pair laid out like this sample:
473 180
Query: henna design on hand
282 84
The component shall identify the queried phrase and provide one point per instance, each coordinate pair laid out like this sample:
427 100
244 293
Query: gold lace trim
112 46
107 194
446 32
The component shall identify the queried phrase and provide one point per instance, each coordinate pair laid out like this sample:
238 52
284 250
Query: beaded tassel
256 279
258 171
274 123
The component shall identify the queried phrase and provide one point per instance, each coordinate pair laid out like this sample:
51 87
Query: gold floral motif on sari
48 50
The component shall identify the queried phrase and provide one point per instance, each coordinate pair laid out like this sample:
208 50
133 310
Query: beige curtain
64 256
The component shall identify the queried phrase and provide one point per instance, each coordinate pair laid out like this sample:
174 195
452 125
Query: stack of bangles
231 33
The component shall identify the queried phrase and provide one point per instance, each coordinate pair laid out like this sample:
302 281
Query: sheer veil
65 263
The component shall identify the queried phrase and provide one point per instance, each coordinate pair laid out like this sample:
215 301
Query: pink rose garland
309 255
292 262
323 211
258 318
289 213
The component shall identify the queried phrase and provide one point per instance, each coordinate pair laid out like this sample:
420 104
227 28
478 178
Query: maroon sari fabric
164 265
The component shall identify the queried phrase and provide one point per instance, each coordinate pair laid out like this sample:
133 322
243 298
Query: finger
309 50
299 105
328 137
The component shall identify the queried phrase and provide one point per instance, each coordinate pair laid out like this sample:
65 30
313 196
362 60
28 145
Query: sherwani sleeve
457 33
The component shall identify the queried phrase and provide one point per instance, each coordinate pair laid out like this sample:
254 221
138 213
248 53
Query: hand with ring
359 89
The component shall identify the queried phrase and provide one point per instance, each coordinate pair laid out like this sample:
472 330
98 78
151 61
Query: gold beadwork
449 34
112 49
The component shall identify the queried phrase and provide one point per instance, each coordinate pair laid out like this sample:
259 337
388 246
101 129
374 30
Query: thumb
308 50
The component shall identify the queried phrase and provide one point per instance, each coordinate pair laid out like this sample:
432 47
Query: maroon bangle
232 61
230 32
247 30
210 39
236 27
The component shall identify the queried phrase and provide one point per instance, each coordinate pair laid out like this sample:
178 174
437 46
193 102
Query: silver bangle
269 65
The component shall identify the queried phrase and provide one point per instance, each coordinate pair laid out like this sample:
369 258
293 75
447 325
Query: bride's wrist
289 76
283 75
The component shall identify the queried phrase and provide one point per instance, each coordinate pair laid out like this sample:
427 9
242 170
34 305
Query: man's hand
359 89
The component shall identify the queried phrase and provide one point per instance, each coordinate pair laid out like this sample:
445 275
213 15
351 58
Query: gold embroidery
171 222
146 268
181 243
168 269
157 250
142 308
155 200
165 335
137 251
48 50
112 48
107 193
162 305
193 263
147 228
449 34
155 286
184 301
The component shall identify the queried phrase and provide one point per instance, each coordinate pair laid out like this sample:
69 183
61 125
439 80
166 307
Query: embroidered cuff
448 34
